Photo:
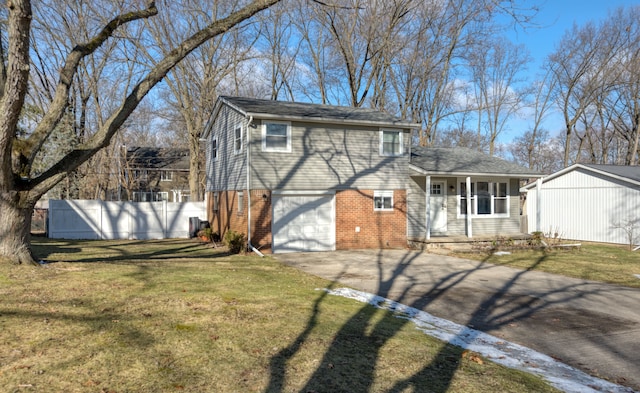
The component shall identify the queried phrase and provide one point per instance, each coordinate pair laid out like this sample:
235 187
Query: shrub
209 234
235 241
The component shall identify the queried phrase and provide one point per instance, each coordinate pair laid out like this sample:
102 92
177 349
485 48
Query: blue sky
558 16
555 18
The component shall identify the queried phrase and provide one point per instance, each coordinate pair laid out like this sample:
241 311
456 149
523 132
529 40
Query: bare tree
496 71
542 91
595 67
19 187
193 85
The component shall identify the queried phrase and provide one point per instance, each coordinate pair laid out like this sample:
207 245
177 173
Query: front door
438 207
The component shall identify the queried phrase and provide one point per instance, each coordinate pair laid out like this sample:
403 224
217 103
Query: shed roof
626 173
461 161
270 109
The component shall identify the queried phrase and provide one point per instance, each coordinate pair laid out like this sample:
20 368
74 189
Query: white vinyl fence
93 219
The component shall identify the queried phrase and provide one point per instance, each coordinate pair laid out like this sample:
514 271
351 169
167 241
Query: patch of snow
502 253
558 374
637 275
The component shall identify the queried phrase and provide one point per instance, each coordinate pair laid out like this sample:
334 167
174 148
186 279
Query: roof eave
473 174
329 120
585 167
214 115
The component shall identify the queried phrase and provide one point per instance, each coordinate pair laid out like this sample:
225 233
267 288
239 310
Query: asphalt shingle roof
158 158
254 106
463 161
630 172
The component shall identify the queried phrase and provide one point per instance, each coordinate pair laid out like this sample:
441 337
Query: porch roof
461 161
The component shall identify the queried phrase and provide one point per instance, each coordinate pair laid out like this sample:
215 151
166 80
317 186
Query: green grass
176 315
591 261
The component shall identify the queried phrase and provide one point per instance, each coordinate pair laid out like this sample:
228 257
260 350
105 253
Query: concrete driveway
591 326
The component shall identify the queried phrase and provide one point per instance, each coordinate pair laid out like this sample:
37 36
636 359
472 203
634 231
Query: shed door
303 222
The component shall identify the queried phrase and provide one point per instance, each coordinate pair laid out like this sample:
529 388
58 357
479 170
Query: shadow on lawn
349 365
127 251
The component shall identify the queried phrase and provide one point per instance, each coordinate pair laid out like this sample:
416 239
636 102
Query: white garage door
303 222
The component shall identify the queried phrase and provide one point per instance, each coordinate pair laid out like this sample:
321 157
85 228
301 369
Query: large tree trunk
15 229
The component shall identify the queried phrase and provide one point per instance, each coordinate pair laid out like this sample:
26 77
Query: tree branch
102 137
29 148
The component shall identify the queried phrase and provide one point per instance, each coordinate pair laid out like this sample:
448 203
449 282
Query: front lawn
178 316
591 261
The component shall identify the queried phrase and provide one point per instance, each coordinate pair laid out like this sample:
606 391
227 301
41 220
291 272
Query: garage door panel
303 223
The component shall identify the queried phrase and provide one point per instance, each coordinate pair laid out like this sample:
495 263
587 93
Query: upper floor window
383 200
166 175
140 174
276 136
214 149
237 139
390 143
487 198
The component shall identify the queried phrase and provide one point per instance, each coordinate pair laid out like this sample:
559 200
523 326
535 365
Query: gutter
249 245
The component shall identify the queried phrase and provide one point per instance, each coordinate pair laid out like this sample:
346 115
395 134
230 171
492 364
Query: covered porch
459 195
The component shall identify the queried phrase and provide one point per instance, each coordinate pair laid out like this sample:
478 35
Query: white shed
587 202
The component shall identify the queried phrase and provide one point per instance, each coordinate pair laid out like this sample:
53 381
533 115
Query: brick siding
354 208
377 229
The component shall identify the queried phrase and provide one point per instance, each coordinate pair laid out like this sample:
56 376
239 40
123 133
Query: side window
390 143
463 198
237 139
276 136
214 149
216 201
240 201
500 198
383 200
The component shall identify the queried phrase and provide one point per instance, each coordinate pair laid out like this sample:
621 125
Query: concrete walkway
591 326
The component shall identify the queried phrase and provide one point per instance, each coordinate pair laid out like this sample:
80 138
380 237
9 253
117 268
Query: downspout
249 245
468 218
427 203
539 205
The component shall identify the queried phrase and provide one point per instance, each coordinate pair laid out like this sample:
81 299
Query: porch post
427 204
538 204
468 196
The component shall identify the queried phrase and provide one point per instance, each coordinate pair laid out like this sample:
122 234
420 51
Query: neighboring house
447 183
587 202
304 177
155 174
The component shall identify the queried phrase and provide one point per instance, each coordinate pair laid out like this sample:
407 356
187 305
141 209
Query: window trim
166 176
264 136
238 142
382 194
474 198
240 202
400 141
215 148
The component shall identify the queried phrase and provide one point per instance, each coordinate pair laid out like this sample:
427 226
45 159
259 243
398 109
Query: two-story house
152 174
306 177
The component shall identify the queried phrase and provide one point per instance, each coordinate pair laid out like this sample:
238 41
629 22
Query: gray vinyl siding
416 207
502 225
328 157
456 225
229 171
